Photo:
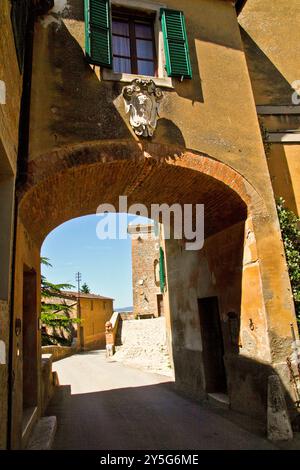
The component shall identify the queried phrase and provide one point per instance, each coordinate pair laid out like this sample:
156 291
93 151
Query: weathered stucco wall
78 106
284 165
12 84
10 96
227 268
27 256
270 32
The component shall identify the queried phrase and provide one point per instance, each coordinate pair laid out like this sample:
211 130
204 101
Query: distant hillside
124 309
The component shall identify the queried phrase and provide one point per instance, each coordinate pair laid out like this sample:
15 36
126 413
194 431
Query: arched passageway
214 296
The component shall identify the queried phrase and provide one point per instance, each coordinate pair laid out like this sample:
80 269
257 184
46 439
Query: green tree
85 289
289 224
54 316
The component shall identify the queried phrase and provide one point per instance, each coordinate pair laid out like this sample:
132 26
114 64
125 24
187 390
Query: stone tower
147 296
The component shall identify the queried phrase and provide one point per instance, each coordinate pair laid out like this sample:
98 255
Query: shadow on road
142 418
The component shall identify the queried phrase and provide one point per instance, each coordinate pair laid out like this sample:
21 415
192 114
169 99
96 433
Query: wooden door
213 345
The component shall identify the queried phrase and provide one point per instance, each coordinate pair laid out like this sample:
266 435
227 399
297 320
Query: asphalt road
108 406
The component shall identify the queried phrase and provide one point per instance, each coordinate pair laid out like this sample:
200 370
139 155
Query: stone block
279 426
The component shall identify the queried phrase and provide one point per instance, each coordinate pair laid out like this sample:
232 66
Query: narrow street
106 405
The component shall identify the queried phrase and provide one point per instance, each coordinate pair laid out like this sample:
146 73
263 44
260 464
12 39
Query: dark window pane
143 31
121 46
146 68
144 49
119 27
122 65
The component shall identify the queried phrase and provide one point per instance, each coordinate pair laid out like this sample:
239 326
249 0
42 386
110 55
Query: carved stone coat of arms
142 100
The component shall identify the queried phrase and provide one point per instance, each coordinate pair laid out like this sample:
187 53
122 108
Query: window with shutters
133 38
148 37
178 61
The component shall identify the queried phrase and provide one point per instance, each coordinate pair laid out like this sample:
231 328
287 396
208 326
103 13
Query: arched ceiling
77 188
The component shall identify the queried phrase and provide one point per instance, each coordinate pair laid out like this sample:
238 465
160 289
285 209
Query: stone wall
48 381
59 352
144 345
145 277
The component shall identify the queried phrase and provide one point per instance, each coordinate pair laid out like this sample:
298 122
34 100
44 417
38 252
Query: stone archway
83 176
234 265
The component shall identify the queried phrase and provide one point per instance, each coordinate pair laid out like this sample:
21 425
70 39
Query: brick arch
73 181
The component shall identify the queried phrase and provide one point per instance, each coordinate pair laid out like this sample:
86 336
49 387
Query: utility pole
78 278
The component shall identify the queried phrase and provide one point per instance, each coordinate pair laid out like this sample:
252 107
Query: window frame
130 17
162 79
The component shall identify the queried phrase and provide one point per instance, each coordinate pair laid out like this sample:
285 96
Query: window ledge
163 82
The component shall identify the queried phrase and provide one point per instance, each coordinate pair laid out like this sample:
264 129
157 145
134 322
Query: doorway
160 305
30 327
213 345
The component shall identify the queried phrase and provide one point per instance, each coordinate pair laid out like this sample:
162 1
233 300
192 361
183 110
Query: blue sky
105 265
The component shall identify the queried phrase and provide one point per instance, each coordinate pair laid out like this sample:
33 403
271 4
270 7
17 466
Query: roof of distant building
69 293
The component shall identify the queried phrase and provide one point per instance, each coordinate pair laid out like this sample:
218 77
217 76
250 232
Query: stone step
43 434
219 399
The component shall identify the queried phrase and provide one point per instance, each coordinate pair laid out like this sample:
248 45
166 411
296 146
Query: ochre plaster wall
27 255
10 75
94 316
11 88
228 268
270 32
77 106
284 166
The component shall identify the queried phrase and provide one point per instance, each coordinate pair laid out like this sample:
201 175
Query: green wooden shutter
162 275
178 62
98 32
